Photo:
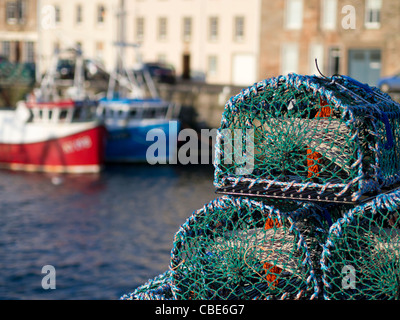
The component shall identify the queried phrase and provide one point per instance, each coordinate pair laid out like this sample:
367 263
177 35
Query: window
334 61
15 11
187 28
329 12
316 52
63 114
373 14
365 64
212 65
162 58
213 31
57 12
239 29
11 12
162 28
139 28
6 49
294 14
79 14
29 51
290 58
99 50
101 14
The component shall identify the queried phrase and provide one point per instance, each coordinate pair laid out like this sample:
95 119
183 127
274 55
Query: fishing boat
132 108
49 133
129 121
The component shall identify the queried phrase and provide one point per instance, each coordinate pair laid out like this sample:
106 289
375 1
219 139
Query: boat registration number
78 144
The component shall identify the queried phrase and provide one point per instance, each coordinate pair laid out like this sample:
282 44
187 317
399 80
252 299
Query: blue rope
382 115
389 134
327 217
359 84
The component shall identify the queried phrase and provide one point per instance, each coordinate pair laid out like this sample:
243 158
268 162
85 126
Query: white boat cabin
113 111
58 112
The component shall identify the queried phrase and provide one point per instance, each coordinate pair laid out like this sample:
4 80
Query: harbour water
104 234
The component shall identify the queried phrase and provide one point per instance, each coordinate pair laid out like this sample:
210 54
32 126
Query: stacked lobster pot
307 169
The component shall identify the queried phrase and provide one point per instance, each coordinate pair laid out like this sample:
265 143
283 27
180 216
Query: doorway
365 65
186 66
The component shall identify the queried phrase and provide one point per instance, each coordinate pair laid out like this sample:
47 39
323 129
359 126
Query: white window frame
212 65
101 14
294 14
289 58
239 28
15 11
140 21
213 25
11 12
57 14
187 26
374 8
329 14
79 14
162 28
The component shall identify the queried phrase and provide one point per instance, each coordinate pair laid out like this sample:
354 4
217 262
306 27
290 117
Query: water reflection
104 233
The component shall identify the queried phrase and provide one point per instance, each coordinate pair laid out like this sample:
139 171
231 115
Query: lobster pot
158 288
361 255
308 138
242 248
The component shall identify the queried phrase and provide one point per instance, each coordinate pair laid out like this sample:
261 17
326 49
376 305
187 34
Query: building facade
359 38
18 30
224 41
218 39
90 25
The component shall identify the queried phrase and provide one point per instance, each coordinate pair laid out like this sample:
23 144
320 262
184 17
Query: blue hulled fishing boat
129 121
132 108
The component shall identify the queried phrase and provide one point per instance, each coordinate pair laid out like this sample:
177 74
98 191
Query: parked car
391 83
65 69
161 72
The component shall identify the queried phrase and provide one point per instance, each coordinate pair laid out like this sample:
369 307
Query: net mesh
240 248
360 259
333 137
310 170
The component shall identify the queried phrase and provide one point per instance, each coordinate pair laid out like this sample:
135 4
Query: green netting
360 259
240 248
332 142
299 133
243 248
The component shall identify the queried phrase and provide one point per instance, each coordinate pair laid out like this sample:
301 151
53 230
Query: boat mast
48 90
119 68
121 36
120 77
79 74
